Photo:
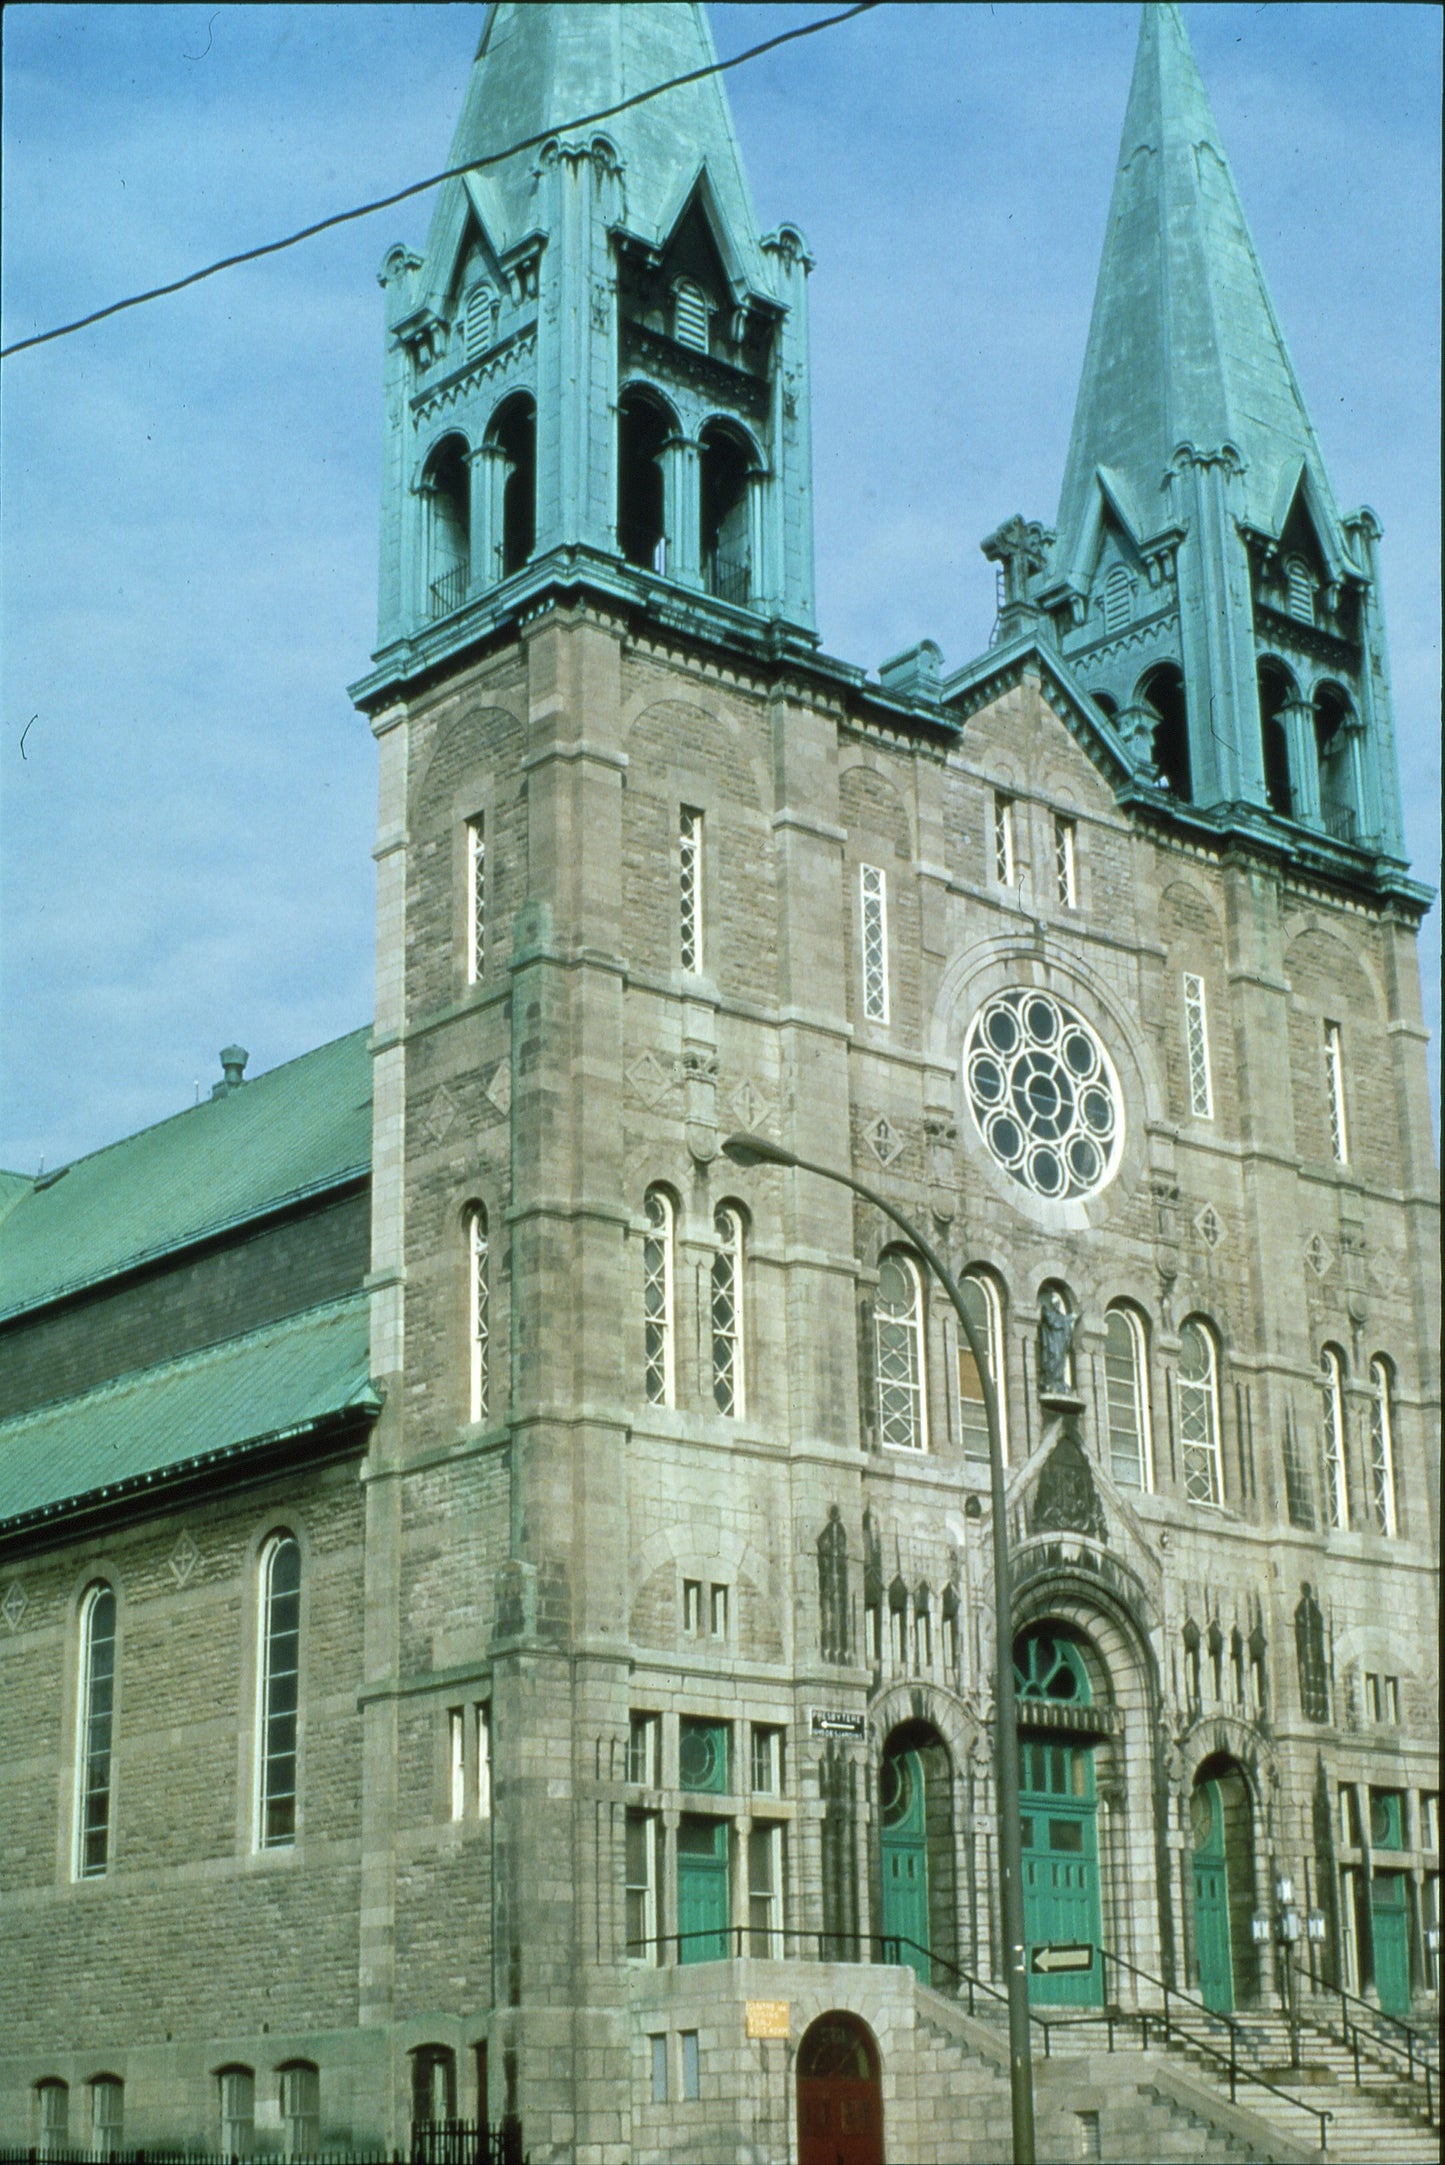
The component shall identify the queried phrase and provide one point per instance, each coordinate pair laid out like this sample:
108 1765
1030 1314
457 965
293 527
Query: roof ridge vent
233 1070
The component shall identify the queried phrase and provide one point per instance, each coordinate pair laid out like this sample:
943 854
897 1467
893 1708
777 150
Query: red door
840 2098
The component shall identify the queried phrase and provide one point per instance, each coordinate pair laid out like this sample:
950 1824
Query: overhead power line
420 187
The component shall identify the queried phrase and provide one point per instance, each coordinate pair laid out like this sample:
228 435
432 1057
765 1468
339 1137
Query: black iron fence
432 2142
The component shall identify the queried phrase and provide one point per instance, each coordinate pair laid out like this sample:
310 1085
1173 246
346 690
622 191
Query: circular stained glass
1043 1094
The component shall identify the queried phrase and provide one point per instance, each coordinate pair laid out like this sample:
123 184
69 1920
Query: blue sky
191 491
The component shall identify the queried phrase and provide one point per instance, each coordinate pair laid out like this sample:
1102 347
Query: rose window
1044 1095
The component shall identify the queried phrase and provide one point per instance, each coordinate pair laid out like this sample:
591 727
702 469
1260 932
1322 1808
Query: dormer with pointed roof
1202 583
597 371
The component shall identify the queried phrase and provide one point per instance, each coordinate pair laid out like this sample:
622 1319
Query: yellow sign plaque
768 2018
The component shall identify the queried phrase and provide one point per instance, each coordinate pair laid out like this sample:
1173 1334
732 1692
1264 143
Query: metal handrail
1413 2051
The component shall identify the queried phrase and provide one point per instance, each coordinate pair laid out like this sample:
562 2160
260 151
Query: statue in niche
1056 1342
833 1588
1309 1646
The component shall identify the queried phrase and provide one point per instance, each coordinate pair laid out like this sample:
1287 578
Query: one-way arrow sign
1066 1955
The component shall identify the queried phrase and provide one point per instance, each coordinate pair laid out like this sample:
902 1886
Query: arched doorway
1058 1813
1221 1824
917 1869
840 2094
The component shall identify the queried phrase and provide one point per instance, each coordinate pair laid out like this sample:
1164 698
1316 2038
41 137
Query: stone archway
840 2093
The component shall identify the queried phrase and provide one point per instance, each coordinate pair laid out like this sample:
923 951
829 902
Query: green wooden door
1058 1815
1389 1918
702 1890
1211 1900
905 1863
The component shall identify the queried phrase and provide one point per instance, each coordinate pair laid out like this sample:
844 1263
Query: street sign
1051 1959
830 1723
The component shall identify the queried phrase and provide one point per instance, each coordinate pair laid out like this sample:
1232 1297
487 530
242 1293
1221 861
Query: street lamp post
1286 1928
758 1150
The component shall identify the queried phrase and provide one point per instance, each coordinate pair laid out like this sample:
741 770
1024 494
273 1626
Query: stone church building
495 1597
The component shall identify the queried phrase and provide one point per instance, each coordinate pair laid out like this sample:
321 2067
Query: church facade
573 1700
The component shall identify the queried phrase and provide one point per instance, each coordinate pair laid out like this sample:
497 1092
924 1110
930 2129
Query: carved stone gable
1066 1500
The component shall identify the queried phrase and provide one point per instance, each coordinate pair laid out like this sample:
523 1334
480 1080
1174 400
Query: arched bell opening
918 1850
514 435
1333 723
446 494
644 426
1221 1826
1058 1812
1162 691
840 2093
727 467
1276 690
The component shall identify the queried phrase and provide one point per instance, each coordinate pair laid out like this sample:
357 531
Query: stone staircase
1135 2106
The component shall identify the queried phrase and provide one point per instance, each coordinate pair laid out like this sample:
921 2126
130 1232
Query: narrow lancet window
478 1313
1126 1380
873 893
689 893
1199 1415
280 1691
97 1720
1066 862
1383 1509
727 1321
985 1312
1196 1043
898 1333
1334 1054
1332 1431
657 1299
476 898
1003 840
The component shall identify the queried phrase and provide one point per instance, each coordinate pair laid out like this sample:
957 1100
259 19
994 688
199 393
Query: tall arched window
982 1299
657 1299
1333 719
478 1314
727 1311
1383 1505
96 1734
433 2085
280 1691
644 426
1162 691
237 2086
107 2108
54 2100
1118 600
1126 1388
446 489
1199 1414
1276 689
898 1339
1332 1440
723 483
300 2109
514 434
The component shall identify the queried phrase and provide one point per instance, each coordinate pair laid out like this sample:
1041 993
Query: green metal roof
270 1384
1184 346
549 62
293 1132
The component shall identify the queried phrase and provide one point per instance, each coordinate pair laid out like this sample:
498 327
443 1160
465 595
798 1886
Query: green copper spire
598 369
1201 580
